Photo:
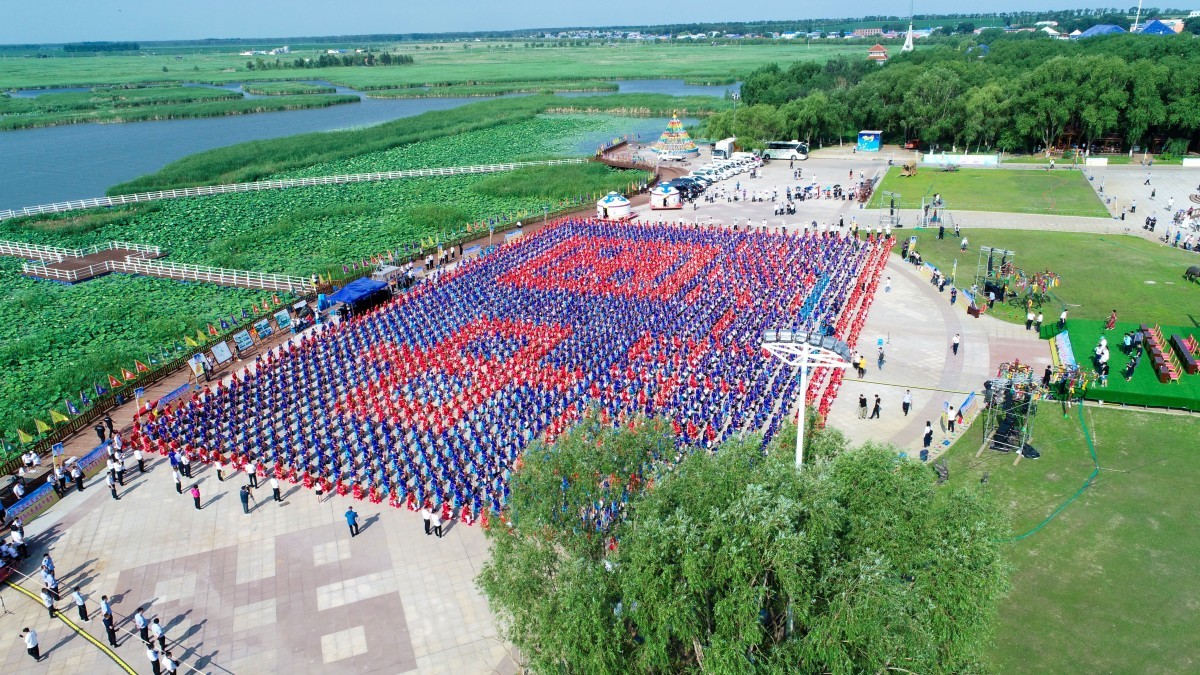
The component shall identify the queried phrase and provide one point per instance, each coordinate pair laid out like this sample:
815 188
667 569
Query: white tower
908 45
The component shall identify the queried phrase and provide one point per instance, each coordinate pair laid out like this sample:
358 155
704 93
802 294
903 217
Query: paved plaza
287 589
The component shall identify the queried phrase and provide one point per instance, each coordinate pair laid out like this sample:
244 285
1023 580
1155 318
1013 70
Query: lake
79 161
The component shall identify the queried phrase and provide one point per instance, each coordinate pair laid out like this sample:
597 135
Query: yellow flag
24 437
187 339
57 417
200 336
42 427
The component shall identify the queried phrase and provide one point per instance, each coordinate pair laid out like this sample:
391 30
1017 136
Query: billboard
870 141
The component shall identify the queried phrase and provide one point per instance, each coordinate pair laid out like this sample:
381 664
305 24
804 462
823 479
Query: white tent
613 206
665 197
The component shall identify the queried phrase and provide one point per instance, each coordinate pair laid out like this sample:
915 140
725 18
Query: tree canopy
616 557
1023 92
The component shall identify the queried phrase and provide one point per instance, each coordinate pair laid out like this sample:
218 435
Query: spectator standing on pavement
31 644
99 429
876 408
108 422
77 474
158 633
220 465
862 406
80 604
275 490
954 345
427 516
152 655
906 402
111 479
928 435
137 455
48 601
169 664
178 480
110 628
244 497
143 626
352 521
195 492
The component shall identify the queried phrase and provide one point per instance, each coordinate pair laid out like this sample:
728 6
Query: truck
724 148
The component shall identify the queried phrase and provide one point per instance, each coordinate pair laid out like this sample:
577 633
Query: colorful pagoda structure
675 141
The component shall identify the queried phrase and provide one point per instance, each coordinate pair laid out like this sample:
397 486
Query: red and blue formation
432 398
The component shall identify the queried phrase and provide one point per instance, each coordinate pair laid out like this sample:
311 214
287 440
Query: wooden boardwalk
72 266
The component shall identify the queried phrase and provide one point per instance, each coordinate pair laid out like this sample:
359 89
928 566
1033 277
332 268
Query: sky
42 21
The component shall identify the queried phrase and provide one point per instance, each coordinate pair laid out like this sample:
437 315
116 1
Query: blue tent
1156 27
1100 29
356 290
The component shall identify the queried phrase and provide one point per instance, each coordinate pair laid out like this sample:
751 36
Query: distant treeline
101 47
333 60
1016 92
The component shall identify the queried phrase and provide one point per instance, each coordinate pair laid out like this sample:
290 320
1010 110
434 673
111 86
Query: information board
283 319
221 353
243 340
263 328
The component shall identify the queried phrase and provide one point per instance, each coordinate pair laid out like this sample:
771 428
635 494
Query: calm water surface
83 160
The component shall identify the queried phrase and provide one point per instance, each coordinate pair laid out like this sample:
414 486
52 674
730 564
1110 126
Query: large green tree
736 562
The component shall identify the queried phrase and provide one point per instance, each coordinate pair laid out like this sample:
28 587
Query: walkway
916 324
75 265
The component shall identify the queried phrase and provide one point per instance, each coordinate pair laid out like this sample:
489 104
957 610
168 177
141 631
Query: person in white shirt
31 643
437 524
137 455
275 489
427 516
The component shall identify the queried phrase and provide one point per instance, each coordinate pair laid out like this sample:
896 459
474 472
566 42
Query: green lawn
450 64
1063 193
1109 584
1142 280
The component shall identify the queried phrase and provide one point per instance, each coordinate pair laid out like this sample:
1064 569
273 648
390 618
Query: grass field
1064 193
1140 279
1108 586
287 88
450 65
47 114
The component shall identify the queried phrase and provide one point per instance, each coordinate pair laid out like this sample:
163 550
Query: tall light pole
803 350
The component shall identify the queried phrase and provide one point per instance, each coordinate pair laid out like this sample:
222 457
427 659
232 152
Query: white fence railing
215 275
181 271
207 190
17 249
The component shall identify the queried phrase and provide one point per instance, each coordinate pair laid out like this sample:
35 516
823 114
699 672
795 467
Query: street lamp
803 349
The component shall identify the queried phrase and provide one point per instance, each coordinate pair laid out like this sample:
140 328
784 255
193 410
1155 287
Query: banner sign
171 396
283 319
1062 347
962 160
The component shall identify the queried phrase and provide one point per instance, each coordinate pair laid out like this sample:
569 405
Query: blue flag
83 399
224 324
100 391
245 313
71 408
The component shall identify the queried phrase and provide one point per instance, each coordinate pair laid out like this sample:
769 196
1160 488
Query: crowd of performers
431 399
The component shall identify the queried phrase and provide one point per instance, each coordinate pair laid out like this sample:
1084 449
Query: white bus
785 150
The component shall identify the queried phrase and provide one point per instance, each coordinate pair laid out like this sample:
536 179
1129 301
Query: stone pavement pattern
283 589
